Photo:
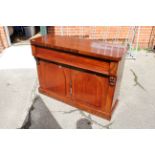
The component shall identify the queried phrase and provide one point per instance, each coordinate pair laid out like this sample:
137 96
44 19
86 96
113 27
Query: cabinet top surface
92 48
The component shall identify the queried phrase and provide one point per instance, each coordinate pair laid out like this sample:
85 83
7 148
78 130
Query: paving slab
17 80
137 99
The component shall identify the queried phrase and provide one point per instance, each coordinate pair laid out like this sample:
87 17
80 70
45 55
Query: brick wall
3 39
109 33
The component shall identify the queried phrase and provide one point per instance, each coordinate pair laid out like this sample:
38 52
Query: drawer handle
112 80
60 66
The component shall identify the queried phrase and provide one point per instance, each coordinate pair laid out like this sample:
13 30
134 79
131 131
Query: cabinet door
53 78
89 89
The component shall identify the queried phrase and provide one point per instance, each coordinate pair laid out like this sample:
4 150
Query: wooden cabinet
77 72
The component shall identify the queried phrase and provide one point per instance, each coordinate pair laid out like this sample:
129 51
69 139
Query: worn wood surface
86 47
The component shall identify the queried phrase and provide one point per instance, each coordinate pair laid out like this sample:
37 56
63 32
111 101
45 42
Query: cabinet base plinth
68 101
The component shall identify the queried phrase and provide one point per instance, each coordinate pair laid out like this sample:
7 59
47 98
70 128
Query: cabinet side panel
40 70
118 83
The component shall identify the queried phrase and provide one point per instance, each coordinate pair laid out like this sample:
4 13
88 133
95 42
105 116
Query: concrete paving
17 81
21 106
137 100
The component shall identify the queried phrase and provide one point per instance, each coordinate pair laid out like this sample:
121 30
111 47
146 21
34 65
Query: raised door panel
52 77
89 89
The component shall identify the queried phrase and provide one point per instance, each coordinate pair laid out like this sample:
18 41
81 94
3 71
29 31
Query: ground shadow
40 117
83 124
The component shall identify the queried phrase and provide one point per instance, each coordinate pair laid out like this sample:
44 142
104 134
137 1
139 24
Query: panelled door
54 78
83 88
89 89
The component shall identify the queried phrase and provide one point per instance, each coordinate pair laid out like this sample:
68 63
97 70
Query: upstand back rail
83 73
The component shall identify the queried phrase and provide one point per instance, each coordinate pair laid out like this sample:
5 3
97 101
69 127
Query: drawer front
73 60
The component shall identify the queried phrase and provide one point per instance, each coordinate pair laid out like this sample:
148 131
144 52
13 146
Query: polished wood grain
48 71
71 70
73 60
81 46
89 89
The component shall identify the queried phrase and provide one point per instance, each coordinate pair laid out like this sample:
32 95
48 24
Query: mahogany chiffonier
82 73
